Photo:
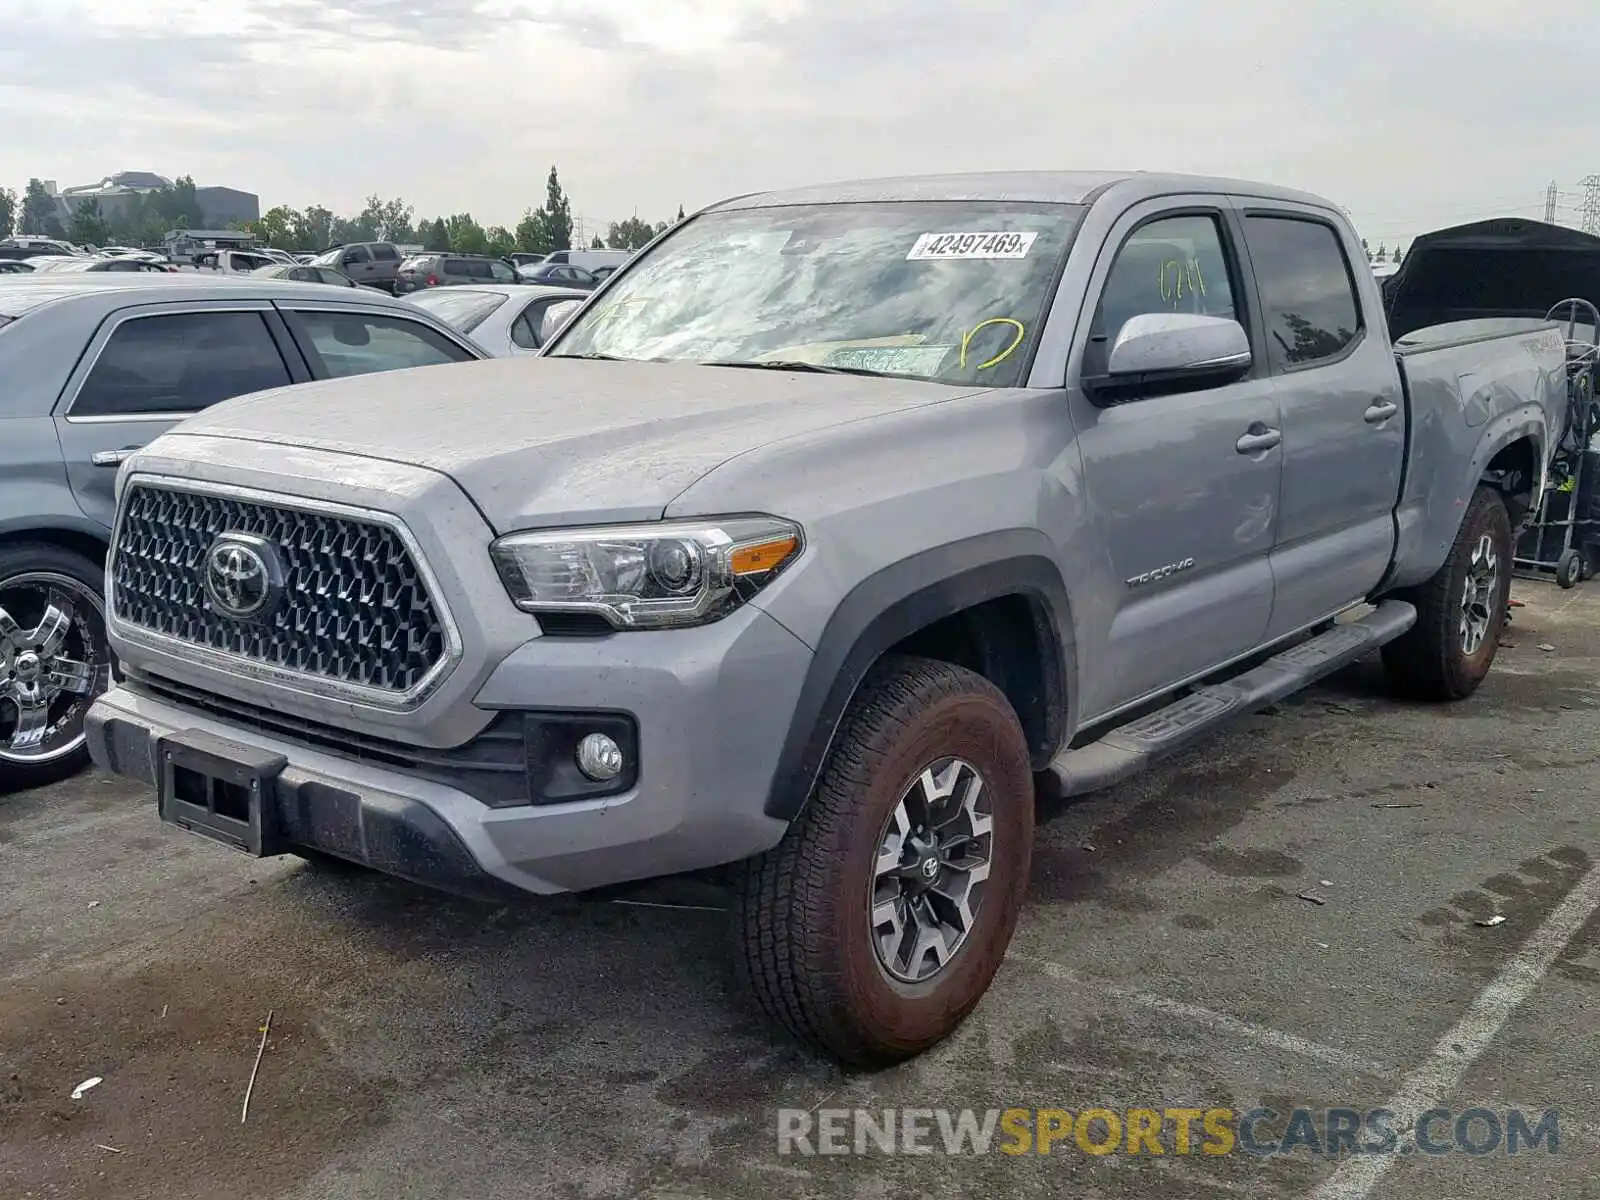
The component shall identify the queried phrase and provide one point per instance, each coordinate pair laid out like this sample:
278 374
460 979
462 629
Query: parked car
591 260
907 490
94 366
305 274
506 319
98 265
548 274
16 248
451 270
229 262
375 264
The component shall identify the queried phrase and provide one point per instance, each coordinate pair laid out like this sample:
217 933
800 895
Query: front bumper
711 707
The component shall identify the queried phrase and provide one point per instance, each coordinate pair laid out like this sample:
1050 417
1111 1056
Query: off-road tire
1429 662
22 558
803 912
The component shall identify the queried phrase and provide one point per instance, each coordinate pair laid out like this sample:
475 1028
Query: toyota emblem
243 576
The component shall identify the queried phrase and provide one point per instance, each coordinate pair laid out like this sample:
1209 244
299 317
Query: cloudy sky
1410 113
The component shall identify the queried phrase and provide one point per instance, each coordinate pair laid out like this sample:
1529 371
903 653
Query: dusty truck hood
1506 267
540 442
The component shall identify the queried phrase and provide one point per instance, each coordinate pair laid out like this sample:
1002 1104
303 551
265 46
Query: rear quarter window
340 344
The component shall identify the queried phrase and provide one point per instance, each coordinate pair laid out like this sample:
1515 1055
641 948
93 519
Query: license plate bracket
221 789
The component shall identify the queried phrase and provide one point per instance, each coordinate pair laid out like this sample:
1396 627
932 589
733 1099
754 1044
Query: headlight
655 576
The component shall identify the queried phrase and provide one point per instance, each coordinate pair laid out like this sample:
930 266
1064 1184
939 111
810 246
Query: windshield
949 291
460 308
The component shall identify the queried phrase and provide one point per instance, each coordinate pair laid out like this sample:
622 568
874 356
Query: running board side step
1129 748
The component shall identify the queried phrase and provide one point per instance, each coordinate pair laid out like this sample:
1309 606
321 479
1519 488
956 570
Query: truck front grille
350 607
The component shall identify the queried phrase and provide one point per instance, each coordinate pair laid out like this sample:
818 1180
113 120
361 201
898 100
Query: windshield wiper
784 365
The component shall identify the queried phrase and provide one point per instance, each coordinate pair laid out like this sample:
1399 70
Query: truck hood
1507 267
543 442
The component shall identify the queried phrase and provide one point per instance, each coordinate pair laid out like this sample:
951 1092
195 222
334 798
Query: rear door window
328 275
180 363
385 253
340 344
1308 294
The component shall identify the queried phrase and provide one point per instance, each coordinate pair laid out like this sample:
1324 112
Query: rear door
149 367
357 263
385 265
1183 484
1344 419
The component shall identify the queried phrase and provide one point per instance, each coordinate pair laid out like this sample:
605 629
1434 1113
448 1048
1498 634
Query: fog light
599 757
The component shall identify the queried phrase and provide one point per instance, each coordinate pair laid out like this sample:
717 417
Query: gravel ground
423 1048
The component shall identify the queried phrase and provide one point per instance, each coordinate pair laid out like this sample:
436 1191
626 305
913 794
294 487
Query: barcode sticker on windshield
971 245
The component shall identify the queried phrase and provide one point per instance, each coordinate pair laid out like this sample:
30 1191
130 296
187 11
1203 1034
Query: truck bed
1459 379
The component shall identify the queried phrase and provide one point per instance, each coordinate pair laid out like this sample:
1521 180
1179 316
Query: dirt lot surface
424 1048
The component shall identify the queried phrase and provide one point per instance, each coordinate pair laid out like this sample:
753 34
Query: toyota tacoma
818 534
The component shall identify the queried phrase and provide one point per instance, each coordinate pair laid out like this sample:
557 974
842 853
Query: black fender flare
900 599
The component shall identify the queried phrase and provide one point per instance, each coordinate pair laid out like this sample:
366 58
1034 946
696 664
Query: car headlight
655 576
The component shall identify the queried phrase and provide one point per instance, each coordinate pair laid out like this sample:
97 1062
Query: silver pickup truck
822 528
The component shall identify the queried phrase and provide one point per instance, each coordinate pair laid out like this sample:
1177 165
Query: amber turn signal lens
761 557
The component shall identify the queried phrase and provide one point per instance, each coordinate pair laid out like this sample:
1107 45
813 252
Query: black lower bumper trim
397 836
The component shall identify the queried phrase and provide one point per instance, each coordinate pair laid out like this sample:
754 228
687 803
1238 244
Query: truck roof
1039 187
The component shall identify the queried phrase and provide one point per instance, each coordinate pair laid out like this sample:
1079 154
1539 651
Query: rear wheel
1461 611
54 661
879 921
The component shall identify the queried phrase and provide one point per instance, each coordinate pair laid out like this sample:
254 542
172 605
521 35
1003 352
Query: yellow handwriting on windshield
966 341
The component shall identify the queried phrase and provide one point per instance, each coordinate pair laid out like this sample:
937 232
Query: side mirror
1159 348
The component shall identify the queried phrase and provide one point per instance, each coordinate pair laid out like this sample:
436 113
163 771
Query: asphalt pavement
1299 915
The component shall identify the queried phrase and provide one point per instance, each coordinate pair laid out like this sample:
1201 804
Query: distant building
219 206
224 206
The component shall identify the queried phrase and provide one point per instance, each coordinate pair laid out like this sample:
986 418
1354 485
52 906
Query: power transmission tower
1550 204
1591 203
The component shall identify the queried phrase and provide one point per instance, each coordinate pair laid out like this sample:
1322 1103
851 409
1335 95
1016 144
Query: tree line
144 219
1382 255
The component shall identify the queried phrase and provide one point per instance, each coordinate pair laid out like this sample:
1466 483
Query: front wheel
1461 611
54 661
877 923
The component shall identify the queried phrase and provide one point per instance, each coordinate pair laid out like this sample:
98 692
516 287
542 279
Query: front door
1344 433
149 367
1184 484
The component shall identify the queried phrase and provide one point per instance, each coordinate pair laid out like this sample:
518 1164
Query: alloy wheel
933 860
1479 595
54 661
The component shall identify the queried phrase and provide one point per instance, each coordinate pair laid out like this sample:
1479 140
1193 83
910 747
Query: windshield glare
949 291
461 308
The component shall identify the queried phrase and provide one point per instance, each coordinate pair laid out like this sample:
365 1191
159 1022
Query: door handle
1381 410
1261 439
114 458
